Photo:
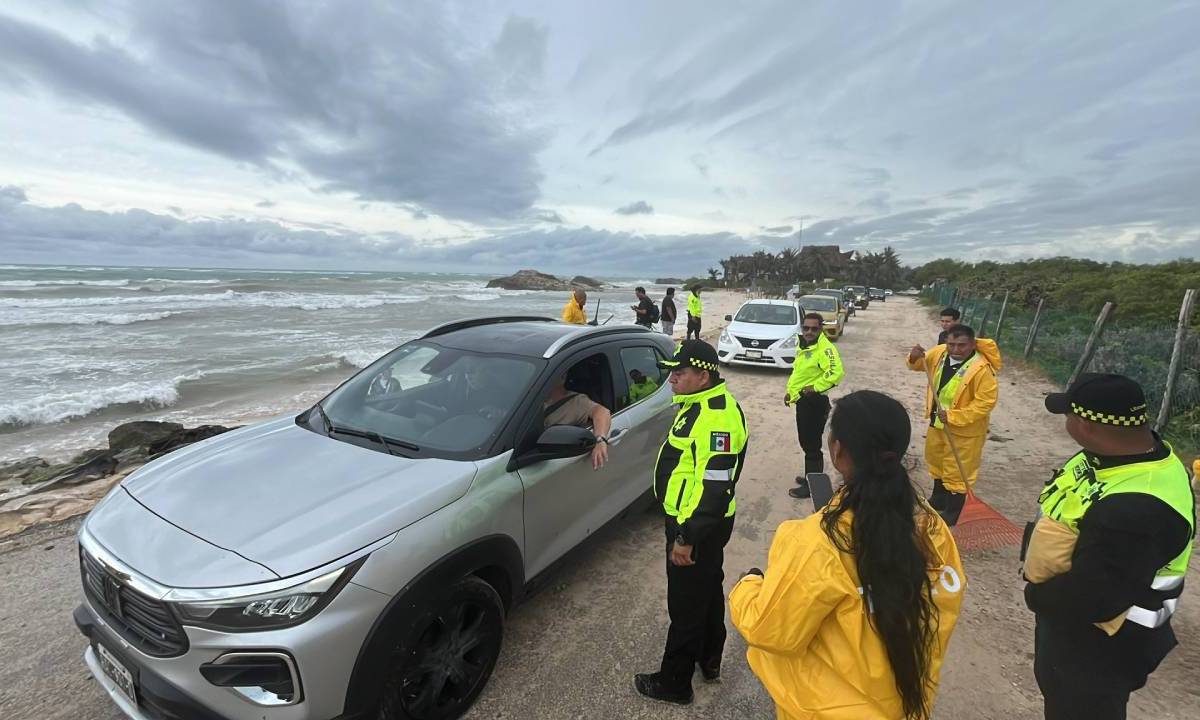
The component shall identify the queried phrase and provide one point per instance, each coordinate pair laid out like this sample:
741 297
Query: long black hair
891 558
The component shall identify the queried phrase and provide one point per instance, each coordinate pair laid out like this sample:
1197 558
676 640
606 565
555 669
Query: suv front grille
144 622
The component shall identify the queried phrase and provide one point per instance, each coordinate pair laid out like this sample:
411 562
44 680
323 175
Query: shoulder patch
716 403
719 442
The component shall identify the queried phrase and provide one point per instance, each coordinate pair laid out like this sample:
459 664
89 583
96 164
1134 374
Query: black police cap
1103 398
693 353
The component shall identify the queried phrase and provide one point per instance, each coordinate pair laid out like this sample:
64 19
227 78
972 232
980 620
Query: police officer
1104 597
698 467
815 371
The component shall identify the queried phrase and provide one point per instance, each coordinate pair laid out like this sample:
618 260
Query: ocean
87 348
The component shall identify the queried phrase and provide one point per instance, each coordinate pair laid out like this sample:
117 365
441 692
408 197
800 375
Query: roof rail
450 327
587 332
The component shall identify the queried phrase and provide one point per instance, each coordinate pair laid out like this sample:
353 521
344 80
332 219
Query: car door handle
614 435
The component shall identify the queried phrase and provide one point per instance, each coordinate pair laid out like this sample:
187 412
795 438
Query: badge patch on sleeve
718 442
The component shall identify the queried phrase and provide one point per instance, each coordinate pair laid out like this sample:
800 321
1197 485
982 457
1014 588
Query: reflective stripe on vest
947 393
1077 485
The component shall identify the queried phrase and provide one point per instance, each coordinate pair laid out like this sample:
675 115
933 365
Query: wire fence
1054 340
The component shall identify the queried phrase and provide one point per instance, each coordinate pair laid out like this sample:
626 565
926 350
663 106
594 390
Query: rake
979 526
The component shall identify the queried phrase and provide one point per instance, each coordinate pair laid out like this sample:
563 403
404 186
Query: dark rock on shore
184 436
530 280
668 281
141 433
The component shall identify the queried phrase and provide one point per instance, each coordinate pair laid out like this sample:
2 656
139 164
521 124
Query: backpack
654 314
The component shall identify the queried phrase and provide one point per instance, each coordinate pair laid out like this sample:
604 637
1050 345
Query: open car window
444 401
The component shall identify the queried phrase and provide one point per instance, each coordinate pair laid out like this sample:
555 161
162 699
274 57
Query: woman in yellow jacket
824 649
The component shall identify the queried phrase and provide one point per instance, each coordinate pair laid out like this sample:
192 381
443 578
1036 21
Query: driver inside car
383 384
563 407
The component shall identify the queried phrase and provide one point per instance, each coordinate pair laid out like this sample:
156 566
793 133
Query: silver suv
358 560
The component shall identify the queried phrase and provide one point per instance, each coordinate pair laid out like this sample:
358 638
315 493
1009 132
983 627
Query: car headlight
269 611
789 342
726 338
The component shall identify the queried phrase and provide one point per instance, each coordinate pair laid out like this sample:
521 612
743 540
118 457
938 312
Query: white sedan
763 333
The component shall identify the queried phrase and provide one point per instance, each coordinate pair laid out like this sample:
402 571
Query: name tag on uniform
718 442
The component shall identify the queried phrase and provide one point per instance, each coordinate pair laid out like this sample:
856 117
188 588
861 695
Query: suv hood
291 499
761 331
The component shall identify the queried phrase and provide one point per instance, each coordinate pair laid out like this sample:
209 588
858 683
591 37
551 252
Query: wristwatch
602 438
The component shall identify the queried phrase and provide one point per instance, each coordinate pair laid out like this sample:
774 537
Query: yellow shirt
574 314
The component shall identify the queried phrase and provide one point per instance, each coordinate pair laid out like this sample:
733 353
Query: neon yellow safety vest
701 460
946 394
644 389
695 307
1080 483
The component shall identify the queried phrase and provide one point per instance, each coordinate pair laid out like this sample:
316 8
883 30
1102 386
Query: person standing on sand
816 370
1105 563
824 648
694 480
695 309
959 399
948 319
573 311
669 313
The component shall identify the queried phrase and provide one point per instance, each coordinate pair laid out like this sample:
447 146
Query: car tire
447 655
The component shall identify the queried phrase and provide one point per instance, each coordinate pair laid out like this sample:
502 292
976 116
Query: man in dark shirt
645 309
949 319
1104 621
669 313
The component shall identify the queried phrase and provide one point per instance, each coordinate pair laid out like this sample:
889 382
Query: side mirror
555 442
728 318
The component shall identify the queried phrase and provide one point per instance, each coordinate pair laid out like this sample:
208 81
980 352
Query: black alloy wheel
445 662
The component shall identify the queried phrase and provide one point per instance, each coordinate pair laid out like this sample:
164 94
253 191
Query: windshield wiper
388 443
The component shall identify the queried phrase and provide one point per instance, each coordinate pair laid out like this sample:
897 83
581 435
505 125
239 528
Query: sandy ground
571 650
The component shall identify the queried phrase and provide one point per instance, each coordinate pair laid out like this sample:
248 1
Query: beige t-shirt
577 410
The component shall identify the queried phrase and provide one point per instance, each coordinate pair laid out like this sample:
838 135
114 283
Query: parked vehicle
877 294
888 293
847 306
831 309
763 332
359 559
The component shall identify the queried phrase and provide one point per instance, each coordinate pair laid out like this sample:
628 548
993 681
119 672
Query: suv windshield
429 398
819 303
767 314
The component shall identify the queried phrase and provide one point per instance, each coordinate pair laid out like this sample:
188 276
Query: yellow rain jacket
572 313
967 415
811 641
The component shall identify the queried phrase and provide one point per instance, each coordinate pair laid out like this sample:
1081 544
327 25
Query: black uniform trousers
1083 679
812 412
696 606
693 327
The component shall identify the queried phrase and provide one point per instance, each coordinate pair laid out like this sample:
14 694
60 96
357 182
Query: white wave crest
61 283
359 357
479 297
273 299
57 407
63 318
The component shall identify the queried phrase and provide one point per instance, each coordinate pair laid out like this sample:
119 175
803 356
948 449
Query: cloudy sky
615 137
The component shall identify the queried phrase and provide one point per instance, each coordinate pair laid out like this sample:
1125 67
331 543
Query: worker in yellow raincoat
963 374
823 649
573 311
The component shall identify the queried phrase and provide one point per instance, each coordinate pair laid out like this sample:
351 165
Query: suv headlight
726 338
789 342
268 611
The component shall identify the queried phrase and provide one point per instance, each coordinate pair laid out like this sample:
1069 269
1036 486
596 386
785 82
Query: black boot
711 670
653 687
801 490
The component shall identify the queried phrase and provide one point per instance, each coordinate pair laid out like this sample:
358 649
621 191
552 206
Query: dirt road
571 650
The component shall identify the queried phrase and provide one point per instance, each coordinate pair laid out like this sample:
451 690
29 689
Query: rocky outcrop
141 433
530 280
668 281
587 283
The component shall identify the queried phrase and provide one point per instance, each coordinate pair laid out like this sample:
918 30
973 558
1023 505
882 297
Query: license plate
754 354
116 672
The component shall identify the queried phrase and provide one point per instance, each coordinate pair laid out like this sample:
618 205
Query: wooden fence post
1185 319
987 310
1000 320
1033 329
1093 340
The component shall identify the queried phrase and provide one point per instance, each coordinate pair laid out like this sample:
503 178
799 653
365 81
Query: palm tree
712 274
